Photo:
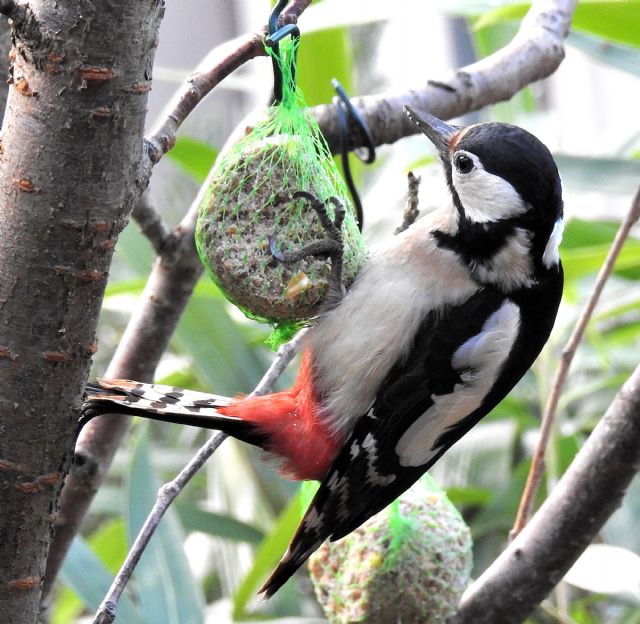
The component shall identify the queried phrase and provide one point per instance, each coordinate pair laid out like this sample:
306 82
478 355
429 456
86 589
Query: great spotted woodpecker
437 328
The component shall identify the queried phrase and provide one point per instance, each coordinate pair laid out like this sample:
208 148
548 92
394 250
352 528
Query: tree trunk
71 167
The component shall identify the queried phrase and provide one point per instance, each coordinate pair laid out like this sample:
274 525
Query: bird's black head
506 189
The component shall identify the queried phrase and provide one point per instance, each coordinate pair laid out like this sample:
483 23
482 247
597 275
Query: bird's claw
330 247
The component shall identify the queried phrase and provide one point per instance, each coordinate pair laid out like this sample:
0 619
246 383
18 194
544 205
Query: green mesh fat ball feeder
251 201
410 563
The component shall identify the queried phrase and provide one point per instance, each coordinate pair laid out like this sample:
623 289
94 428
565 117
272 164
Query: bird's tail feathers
165 403
295 556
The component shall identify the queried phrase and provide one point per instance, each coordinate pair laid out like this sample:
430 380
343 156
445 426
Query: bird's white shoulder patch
551 255
479 361
486 197
511 267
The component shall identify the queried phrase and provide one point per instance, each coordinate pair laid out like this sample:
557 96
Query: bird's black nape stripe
477 242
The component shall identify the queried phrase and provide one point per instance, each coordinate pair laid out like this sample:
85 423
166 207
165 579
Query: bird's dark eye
463 163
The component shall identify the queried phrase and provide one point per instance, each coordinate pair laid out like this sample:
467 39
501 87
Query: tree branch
537 464
153 227
146 337
535 52
588 493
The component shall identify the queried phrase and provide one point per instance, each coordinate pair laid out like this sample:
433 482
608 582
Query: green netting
249 199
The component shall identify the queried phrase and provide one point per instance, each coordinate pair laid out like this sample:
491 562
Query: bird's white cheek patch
551 256
479 361
486 197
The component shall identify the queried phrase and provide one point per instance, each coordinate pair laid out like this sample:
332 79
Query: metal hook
349 117
273 41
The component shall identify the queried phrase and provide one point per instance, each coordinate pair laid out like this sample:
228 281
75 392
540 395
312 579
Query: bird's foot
331 247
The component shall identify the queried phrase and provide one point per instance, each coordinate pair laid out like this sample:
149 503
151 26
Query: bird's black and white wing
463 361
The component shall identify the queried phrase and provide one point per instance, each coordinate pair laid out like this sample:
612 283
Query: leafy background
227 530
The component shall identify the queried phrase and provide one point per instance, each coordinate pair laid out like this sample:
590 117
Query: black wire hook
273 41
349 118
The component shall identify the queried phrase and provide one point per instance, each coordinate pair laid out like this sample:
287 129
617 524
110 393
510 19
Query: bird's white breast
355 345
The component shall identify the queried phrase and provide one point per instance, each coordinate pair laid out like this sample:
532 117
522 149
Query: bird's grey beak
436 130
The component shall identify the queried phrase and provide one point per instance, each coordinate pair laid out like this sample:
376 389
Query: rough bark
70 171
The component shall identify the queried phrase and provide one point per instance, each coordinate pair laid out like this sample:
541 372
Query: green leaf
331 14
314 78
194 157
83 572
615 20
197 519
66 607
267 556
580 262
618 309
501 15
134 255
585 246
500 512
109 542
466 495
482 459
624 336
423 161
166 588
580 234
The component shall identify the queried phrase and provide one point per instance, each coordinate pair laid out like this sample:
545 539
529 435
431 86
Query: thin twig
538 463
285 354
106 613
152 226
411 211
166 495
